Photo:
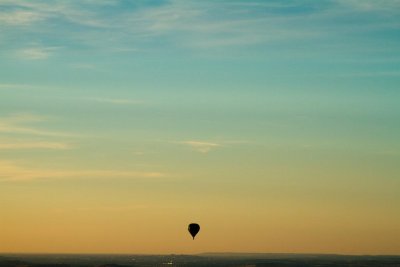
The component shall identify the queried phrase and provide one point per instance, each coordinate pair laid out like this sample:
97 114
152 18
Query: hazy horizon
274 125
207 254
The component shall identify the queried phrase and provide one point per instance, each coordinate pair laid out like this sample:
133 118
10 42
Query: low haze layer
272 124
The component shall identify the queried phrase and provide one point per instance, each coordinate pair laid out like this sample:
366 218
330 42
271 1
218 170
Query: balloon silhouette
194 228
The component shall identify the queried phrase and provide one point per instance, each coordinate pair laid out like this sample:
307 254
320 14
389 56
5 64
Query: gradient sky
273 124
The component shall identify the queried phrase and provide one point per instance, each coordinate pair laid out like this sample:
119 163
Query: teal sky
214 111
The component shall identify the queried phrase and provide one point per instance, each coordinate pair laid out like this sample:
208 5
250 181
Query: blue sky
285 103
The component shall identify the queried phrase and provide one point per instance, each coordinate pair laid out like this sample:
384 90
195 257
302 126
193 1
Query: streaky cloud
20 17
36 53
191 24
200 146
34 145
116 101
19 124
12 172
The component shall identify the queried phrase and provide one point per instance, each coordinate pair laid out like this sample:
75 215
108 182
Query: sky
272 124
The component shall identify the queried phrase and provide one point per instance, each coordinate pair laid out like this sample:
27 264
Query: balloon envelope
194 228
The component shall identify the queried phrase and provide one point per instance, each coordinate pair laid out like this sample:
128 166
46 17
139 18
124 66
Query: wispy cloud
20 124
33 11
116 101
372 5
19 17
36 53
4 128
200 146
10 171
194 24
22 117
34 145
197 24
15 86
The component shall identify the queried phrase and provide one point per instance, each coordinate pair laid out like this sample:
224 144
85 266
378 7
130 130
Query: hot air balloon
194 228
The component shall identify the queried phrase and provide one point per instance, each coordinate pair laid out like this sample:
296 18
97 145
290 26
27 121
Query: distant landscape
204 259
